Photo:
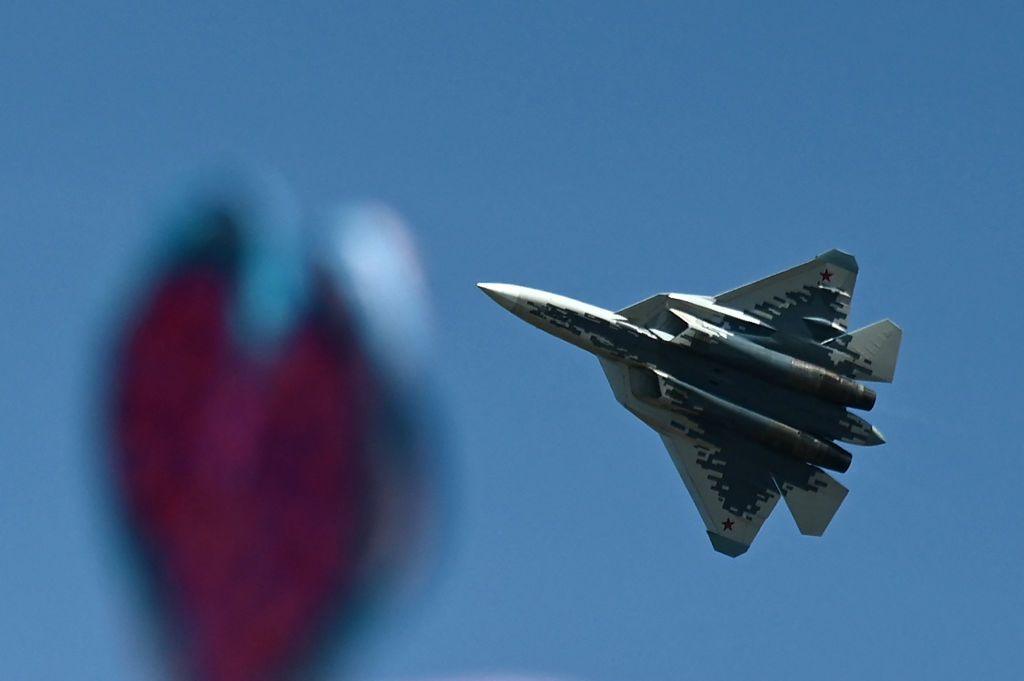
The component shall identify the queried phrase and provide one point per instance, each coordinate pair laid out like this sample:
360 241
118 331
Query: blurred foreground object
269 457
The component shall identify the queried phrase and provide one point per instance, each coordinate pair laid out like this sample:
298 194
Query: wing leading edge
811 299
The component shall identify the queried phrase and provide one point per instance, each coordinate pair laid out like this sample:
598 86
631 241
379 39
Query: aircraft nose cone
505 295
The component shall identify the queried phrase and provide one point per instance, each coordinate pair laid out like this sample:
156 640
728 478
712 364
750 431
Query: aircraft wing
736 483
730 483
812 299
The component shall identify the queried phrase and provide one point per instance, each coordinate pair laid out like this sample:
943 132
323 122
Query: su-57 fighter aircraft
748 389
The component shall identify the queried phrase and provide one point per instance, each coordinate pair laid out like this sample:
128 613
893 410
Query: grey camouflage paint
748 389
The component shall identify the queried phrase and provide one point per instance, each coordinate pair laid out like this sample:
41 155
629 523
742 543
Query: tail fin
868 354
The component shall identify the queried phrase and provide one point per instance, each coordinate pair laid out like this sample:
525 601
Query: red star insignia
728 523
826 275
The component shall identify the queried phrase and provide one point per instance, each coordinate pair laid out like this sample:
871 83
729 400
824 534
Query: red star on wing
728 523
826 275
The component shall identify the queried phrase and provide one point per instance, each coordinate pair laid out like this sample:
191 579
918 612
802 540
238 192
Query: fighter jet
749 389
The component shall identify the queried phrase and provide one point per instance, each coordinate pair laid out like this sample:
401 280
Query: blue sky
605 152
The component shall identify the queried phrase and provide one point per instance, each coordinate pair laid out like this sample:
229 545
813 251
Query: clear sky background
603 151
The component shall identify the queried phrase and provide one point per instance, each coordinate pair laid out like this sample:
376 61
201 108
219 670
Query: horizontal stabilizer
812 495
868 354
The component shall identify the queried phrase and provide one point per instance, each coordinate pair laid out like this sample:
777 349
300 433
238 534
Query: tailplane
812 495
868 354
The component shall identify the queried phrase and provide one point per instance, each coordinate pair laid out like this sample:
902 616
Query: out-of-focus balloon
367 254
269 446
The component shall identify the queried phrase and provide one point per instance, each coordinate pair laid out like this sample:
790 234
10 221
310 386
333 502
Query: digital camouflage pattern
749 389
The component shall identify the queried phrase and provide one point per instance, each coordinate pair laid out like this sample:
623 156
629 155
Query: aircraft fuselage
761 393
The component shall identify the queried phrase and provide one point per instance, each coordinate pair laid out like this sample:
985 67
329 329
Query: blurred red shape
243 473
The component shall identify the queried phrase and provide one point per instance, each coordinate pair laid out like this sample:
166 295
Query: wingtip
841 258
729 547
